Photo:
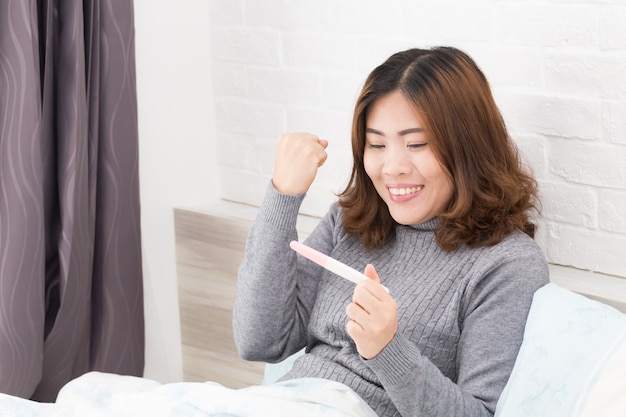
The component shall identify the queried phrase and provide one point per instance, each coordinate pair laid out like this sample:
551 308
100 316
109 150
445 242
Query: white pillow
572 361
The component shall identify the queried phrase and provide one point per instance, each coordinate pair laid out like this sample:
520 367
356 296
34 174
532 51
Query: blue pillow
572 361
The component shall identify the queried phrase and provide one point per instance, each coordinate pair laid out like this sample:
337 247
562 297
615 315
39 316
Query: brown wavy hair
494 193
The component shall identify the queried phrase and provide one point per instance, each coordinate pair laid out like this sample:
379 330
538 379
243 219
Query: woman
437 209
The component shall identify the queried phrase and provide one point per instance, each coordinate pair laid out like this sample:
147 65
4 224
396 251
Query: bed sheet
97 394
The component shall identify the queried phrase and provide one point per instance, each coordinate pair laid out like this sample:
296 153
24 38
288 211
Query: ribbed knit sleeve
266 308
276 288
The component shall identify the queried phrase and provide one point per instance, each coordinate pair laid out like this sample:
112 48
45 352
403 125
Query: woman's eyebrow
412 130
374 131
401 133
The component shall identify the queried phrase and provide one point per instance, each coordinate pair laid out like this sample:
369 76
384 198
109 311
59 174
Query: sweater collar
428 225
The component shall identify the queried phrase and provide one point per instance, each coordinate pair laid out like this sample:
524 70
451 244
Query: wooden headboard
209 249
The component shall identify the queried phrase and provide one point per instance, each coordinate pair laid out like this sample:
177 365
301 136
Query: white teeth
405 191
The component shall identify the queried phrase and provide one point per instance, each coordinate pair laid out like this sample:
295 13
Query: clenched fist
298 156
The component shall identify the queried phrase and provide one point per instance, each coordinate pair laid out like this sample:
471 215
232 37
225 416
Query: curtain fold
71 297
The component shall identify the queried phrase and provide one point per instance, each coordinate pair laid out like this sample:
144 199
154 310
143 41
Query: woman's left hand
373 315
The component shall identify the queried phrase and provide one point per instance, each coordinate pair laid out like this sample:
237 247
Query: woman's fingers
373 316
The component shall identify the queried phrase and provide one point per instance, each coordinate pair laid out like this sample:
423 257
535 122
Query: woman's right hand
298 156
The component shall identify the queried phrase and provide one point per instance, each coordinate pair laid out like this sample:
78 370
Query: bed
571 363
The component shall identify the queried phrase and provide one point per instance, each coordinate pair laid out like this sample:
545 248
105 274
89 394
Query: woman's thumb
371 273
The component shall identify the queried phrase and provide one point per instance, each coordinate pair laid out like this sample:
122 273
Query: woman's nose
396 162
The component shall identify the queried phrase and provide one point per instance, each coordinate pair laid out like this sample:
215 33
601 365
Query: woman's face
400 161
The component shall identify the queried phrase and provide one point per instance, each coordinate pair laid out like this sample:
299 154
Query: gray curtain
71 296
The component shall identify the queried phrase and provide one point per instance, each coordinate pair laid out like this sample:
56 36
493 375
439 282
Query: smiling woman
437 211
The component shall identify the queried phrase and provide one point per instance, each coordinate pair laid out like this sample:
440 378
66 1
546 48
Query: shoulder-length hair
493 193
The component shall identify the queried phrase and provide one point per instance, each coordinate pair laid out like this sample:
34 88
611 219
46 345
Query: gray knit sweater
461 314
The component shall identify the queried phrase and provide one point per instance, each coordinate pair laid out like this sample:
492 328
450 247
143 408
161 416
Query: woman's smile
400 194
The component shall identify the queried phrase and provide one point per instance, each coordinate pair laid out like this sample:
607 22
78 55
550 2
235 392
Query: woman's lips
404 193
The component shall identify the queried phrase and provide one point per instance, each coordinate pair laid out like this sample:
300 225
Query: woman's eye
375 146
416 145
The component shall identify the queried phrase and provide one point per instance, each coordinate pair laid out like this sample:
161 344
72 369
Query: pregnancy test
329 263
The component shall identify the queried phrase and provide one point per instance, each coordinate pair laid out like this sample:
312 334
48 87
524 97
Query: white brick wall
557 68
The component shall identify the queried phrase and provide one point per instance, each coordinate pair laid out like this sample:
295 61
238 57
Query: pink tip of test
329 263
310 253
